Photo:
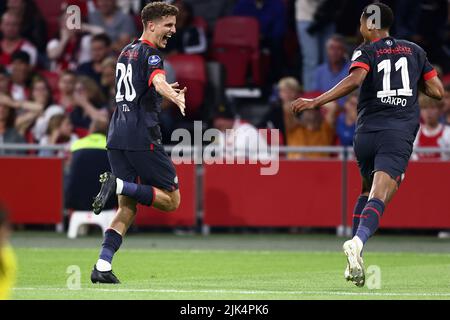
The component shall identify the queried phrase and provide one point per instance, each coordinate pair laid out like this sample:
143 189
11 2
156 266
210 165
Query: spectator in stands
331 72
33 26
27 111
288 90
66 90
21 75
88 160
89 105
272 20
4 80
310 128
8 132
446 108
109 82
346 121
432 133
117 25
433 31
8 265
239 138
188 39
312 34
41 98
12 41
59 132
100 49
70 49
41 93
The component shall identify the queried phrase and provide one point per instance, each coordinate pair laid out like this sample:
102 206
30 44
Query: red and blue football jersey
137 103
388 97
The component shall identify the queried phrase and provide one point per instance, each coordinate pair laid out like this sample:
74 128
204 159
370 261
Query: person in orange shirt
310 128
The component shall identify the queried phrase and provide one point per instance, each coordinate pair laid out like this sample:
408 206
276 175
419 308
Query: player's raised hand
302 104
180 100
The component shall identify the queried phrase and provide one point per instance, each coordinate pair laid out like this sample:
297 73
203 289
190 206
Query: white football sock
103 265
358 241
119 186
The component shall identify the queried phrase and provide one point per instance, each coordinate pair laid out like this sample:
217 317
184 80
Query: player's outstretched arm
433 88
343 88
169 92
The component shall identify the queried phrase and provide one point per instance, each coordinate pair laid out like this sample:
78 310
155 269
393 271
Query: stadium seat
83 218
191 72
236 46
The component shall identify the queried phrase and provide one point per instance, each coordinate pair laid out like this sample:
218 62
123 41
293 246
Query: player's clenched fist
302 104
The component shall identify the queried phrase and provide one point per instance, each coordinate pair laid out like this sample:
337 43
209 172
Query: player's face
164 29
363 28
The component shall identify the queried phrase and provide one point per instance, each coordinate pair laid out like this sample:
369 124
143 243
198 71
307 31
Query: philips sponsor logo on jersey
154 60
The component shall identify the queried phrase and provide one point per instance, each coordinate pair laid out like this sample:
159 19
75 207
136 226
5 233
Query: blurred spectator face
312 119
4 83
66 84
223 123
40 92
108 75
289 89
446 108
287 94
10 26
430 114
335 51
350 106
19 71
106 7
66 128
16 5
99 51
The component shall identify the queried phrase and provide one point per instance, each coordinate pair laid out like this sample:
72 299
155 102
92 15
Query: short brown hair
157 10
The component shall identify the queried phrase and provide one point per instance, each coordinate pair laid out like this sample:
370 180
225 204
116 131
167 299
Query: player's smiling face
164 29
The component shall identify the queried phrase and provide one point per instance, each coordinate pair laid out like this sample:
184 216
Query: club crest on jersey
154 60
356 54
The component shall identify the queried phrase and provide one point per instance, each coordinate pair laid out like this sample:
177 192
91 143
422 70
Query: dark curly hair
157 10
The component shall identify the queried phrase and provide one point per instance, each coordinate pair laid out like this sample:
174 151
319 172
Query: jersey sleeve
360 59
428 71
154 65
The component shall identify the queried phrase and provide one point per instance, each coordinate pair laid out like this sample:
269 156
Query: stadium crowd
56 84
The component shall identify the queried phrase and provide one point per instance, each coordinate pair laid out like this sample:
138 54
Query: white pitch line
248 292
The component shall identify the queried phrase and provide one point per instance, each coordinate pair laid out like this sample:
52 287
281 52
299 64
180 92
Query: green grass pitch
231 267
